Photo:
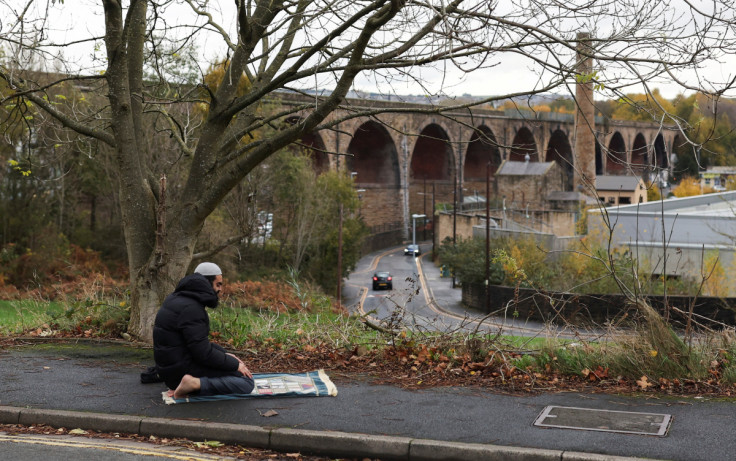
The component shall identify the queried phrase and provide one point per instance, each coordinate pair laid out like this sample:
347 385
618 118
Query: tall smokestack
584 180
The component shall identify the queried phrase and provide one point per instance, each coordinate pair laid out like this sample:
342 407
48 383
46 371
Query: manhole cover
589 419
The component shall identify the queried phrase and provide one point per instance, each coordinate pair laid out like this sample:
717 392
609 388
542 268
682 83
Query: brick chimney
584 135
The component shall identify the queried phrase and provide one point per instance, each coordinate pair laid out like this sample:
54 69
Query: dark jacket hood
197 287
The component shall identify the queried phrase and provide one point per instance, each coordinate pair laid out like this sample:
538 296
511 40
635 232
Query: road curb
252 436
76 419
333 444
9 415
435 450
340 444
578 456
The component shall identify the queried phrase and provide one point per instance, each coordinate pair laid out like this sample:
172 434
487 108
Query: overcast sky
76 19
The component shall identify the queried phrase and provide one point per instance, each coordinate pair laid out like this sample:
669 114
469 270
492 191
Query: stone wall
560 223
381 204
553 224
583 310
464 226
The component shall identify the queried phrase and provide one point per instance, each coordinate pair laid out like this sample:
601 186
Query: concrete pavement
96 386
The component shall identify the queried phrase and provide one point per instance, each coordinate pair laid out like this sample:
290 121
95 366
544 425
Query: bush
468 261
585 268
263 295
54 263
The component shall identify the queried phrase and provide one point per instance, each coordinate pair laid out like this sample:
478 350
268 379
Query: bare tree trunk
147 294
151 283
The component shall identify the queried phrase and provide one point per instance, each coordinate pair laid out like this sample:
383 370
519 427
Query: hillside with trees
708 132
169 155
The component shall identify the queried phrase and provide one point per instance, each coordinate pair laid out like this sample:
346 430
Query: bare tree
222 132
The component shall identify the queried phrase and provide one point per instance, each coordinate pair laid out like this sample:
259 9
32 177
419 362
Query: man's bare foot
187 385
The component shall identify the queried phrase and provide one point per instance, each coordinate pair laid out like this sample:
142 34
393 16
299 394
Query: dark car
382 280
412 250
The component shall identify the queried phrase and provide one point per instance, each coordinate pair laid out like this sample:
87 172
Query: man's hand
243 369
241 366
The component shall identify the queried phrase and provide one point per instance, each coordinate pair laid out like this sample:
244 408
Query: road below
423 300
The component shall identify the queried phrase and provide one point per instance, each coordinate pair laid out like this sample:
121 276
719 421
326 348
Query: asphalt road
422 299
407 302
104 379
62 448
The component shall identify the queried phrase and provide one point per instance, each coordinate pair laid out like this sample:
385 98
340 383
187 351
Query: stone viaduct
404 162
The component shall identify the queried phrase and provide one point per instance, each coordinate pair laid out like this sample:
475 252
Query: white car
412 250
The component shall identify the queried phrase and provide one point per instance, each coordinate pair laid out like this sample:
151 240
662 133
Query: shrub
263 295
585 268
467 259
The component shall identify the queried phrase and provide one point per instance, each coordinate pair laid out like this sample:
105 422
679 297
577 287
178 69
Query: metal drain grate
590 419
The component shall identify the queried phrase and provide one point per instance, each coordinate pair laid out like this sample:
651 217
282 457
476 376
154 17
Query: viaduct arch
406 162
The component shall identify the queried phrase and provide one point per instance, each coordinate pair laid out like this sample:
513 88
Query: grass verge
648 358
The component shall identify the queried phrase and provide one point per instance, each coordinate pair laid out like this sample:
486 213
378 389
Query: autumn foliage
67 272
689 187
263 295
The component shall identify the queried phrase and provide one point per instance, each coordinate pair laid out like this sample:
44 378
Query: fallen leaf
78 432
644 382
209 444
269 413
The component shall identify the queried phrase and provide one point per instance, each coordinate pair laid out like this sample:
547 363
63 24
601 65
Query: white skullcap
208 269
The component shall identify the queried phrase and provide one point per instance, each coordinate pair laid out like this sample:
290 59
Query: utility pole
433 223
454 222
339 260
424 231
488 238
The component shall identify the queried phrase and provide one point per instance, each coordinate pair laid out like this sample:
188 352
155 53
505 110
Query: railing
385 227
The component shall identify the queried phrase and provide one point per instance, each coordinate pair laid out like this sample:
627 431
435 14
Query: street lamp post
414 218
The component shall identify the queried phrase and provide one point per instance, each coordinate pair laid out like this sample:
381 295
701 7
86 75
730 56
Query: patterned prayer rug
310 384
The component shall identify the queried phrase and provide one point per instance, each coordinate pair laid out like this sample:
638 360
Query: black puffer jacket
180 334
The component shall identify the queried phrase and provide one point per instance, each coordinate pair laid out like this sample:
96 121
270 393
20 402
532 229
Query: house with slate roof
620 190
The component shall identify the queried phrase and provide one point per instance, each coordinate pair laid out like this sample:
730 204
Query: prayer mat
310 384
